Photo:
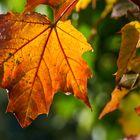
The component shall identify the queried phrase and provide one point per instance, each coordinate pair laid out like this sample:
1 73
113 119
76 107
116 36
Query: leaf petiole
57 18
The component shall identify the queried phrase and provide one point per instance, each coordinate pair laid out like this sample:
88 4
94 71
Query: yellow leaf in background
129 120
108 7
130 37
136 24
82 4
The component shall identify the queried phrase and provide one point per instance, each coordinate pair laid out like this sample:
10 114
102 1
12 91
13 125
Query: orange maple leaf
37 59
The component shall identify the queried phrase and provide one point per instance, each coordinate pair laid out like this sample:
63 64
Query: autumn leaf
37 59
128 47
113 104
108 7
127 77
126 83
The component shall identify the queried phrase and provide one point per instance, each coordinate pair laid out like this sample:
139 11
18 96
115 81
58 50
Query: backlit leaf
37 59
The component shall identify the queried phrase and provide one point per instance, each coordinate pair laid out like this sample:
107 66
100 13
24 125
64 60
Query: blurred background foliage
69 118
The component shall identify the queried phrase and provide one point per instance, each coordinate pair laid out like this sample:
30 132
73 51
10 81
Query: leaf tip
88 103
108 108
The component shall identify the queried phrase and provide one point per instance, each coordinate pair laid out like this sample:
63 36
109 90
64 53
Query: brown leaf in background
124 8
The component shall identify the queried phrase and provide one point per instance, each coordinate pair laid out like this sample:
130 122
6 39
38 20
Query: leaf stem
65 11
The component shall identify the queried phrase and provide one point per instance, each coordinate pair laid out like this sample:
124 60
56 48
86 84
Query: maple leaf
37 59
